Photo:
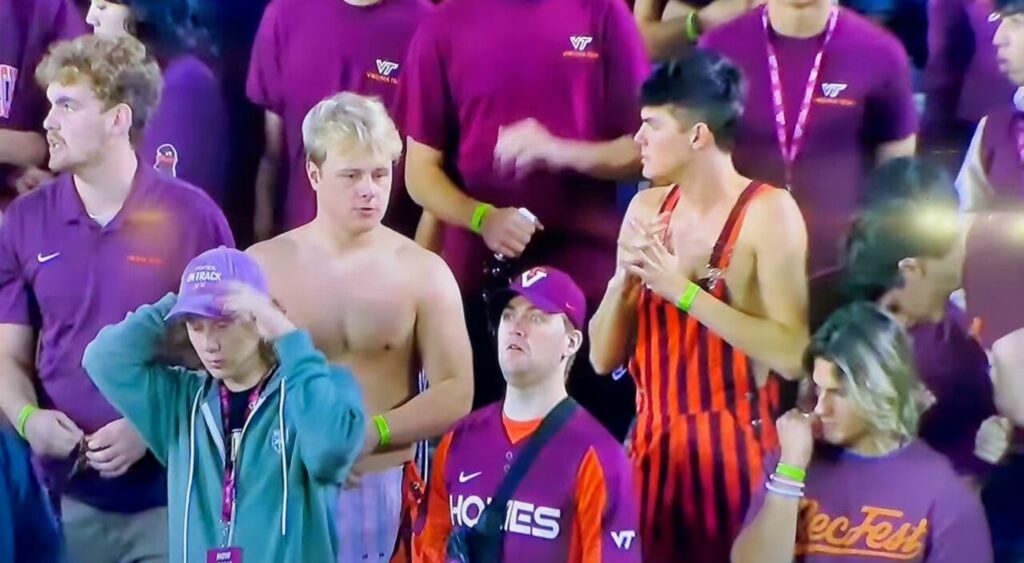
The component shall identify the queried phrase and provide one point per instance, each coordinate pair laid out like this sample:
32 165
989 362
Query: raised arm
153 397
613 326
443 344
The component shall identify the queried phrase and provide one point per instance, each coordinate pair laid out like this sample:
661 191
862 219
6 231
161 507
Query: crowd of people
470 221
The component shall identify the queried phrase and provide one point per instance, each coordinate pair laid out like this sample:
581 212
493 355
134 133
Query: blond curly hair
120 71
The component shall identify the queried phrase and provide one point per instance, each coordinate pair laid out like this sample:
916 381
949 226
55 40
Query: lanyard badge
791 146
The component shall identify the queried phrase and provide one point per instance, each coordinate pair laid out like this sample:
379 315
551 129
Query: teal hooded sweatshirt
295 451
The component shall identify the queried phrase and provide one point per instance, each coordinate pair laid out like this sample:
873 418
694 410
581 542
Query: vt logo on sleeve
8 80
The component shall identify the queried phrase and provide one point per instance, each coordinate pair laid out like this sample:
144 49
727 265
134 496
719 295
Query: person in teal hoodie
256 429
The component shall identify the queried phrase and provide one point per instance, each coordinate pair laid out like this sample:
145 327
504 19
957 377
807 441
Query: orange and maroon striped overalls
702 423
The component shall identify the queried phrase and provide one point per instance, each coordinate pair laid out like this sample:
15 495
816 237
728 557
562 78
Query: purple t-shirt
307 50
27 27
906 506
962 78
188 135
993 270
864 99
954 367
67 277
576 67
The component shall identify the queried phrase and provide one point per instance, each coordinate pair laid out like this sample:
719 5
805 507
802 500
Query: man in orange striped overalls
709 297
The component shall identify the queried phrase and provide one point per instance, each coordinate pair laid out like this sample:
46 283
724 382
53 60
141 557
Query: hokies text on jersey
520 518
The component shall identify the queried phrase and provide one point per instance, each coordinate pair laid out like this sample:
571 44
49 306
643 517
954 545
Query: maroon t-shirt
307 50
863 99
575 66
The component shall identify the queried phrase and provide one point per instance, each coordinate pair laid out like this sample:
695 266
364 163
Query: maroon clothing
308 50
573 65
856 108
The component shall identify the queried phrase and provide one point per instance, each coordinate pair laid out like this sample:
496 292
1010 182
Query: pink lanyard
230 492
1019 129
791 147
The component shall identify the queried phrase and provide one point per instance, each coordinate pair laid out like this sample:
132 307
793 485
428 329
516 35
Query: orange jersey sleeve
430 545
591 500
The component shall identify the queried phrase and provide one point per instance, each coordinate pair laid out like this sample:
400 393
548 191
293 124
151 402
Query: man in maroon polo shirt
531 105
27 27
308 50
838 101
80 253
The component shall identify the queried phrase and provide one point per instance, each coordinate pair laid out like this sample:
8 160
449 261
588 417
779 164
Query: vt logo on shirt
882 533
580 47
385 71
8 79
832 89
830 92
624 539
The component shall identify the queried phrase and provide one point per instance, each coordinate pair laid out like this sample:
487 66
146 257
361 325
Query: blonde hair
350 118
874 359
119 71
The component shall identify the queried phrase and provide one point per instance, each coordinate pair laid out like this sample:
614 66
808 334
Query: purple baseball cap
550 290
207 278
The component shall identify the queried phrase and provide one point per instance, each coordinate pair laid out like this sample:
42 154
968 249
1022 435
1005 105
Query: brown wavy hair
119 71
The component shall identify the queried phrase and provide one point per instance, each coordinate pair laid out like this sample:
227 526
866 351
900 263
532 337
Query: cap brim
206 306
501 298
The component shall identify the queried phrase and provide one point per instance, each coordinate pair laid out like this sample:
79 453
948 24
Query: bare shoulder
646 203
275 250
428 274
775 216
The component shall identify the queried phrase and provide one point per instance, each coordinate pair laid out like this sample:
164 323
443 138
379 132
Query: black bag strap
493 516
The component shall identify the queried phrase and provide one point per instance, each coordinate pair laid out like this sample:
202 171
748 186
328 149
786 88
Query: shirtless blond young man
376 302
710 294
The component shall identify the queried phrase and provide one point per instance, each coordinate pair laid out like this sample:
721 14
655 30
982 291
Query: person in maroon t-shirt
829 97
510 105
308 50
27 27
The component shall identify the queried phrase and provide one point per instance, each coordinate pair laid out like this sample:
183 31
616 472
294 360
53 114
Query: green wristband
692 27
794 473
479 214
383 429
23 416
686 301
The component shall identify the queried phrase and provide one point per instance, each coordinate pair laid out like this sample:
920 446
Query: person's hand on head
244 303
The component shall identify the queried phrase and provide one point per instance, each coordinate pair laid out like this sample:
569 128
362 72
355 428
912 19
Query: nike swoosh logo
463 478
44 259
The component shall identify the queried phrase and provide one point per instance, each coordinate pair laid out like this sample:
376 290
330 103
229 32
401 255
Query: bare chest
350 312
703 252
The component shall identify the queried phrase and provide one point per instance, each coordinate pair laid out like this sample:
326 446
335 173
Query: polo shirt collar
73 210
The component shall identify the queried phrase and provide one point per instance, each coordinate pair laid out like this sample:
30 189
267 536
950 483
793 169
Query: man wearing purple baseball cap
578 494
204 376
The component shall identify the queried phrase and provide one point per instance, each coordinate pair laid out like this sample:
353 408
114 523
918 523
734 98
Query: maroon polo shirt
67 277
